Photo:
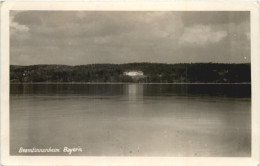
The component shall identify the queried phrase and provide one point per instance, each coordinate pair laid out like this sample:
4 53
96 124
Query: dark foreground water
131 119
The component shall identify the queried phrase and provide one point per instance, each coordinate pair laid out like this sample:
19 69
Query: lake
186 120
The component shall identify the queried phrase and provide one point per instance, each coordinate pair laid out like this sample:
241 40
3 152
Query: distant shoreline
144 73
245 83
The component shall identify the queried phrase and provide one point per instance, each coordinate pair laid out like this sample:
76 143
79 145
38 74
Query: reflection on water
134 92
135 89
132 119
224 90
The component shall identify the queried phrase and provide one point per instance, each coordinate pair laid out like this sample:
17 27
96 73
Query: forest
152 73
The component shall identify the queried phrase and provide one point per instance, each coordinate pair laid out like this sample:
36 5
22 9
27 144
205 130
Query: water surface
132 119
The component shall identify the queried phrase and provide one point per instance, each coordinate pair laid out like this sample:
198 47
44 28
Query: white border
251 6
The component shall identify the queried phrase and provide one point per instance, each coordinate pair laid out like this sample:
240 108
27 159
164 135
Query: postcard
130 83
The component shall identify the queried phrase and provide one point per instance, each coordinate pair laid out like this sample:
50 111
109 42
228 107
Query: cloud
85 37
201 35
15 26
214 17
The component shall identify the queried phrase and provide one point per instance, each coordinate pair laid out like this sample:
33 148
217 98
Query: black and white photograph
122 83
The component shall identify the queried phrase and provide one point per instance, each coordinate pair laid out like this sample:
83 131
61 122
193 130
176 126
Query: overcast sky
87 37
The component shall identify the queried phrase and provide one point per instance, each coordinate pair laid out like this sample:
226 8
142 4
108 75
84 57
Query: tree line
153 73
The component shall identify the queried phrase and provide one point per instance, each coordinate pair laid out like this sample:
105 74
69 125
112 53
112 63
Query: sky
90 37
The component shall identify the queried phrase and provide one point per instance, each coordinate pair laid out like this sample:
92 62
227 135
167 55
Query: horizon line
131 63
176 83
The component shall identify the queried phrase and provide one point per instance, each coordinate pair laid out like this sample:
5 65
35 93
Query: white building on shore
134 73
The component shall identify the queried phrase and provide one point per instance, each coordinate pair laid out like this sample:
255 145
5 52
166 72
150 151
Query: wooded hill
153 73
